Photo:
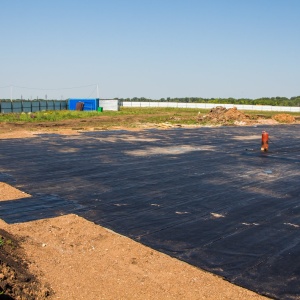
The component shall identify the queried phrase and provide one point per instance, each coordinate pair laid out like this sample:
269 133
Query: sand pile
284 118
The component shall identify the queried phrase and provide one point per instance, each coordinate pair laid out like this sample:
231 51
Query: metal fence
32 106
19 106
211 105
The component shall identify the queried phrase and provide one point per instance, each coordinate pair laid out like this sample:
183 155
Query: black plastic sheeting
207 196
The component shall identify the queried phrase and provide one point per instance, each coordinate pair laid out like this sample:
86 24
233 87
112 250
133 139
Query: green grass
144 114
44 116
270 114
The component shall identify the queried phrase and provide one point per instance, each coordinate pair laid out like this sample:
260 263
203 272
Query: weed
7 242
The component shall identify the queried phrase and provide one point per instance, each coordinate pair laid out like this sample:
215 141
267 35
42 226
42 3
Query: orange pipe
264 141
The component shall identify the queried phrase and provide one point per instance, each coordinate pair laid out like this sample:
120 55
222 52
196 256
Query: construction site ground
52 252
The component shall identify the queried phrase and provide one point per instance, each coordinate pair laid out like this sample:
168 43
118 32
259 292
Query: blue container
89 104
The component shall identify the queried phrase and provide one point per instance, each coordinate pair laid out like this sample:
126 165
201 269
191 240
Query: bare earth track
70 258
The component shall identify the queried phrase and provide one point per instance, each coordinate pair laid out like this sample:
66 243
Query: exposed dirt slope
16 282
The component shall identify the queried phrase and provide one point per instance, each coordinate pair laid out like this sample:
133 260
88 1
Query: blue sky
149 48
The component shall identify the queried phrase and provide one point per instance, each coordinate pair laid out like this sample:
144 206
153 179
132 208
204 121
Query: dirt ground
221 116
216 117
70 258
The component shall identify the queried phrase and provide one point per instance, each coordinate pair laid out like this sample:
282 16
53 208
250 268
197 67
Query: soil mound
221 115
15 280
284 118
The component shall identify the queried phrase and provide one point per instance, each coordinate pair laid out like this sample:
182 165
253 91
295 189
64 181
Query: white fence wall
109 104
211 105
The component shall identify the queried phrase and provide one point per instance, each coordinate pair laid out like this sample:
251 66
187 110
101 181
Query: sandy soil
8 192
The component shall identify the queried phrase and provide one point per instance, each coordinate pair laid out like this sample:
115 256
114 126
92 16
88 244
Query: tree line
275 101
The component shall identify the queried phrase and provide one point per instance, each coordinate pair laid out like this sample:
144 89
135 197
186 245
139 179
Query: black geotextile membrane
207 196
